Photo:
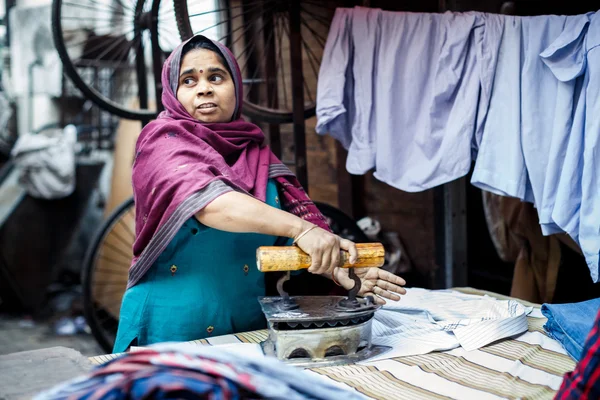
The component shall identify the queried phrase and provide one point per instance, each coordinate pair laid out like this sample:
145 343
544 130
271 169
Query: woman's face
205 88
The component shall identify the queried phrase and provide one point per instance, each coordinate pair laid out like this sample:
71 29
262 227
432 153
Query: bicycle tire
88 90
342 224
104 336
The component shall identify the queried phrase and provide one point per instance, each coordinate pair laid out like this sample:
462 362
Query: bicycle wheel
258 34
109 256
105 272
112 50
342 224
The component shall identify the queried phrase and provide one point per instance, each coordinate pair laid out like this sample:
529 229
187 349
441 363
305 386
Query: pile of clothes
188 371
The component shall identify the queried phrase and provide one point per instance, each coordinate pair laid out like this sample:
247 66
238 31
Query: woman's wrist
300 229
304 233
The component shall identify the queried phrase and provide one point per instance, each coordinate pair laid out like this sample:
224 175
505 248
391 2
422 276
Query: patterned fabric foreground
530 366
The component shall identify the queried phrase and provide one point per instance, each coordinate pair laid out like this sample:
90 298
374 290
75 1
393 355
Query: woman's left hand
375 282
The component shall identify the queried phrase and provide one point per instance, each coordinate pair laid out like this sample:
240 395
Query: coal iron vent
294 326
333 351
299 353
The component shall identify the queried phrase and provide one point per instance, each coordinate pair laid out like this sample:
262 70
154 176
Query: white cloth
46 162
428 320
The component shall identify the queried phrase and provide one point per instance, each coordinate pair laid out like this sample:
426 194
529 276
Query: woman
208 193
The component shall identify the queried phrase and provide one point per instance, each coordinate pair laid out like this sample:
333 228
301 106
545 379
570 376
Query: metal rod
298 93
251 14
140 64
156 55
271 73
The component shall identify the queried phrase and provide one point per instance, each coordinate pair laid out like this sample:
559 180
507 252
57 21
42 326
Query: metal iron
319 331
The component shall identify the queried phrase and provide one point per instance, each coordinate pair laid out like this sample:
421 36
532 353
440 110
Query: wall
30 27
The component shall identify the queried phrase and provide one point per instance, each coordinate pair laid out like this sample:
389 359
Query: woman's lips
206 108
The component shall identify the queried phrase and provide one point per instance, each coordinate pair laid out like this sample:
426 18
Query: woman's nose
204 89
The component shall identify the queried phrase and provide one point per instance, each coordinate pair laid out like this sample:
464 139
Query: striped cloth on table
528 366
433 320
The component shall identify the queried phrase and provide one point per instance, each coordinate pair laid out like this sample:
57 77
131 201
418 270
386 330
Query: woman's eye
216 78
188 81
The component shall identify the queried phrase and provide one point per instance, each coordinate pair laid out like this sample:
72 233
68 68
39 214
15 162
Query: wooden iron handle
291 258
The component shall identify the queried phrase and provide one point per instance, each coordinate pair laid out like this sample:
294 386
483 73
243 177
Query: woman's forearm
238 212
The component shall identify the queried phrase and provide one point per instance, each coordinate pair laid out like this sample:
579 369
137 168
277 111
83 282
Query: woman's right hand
324 248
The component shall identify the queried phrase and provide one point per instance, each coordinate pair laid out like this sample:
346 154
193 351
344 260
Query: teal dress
205 283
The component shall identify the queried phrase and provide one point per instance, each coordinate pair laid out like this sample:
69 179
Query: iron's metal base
319 332
268 348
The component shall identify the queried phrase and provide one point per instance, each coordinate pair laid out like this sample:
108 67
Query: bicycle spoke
309 54
254 42
128 228
166 8
224 21
117 271
171 41
271 43
169 37
86 7
110 7
275 91
320 38
127 256
308 91
106 292
118 236
248 26
119 42
320 5
224 9
122 56
131 7
109 29
282 62
106 258
318 18
114 45
124 90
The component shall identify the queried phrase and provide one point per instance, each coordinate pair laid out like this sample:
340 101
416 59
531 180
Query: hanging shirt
414 80
547 103
589 229
541 129
558 165
335 86
564 58
530 112
500 166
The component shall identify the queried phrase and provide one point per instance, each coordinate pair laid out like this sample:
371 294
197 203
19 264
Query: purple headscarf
182 164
